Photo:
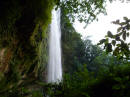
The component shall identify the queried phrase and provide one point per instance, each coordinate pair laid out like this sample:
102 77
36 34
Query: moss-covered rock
23 42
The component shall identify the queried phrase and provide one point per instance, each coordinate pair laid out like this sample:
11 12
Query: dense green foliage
70 44
77 52
111 82
83 10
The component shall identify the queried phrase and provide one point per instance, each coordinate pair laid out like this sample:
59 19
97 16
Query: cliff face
23 41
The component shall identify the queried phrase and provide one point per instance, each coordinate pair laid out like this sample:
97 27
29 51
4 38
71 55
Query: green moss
23 30
37 94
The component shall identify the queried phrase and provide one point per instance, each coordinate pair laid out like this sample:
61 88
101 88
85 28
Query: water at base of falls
54 64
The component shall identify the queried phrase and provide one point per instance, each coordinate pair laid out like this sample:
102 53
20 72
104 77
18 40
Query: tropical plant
116 43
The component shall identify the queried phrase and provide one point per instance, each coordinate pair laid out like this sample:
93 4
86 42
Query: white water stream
54 64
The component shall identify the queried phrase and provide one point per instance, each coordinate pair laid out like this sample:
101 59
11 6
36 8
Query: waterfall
54 64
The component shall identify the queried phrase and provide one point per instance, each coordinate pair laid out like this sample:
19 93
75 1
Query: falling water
55 66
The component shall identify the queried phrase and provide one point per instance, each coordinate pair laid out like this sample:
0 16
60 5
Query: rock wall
23 43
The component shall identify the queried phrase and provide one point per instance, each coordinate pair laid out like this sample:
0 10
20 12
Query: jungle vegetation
89 71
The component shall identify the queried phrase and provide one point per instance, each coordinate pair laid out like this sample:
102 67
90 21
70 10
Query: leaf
116 22
117 38
109 47
118 45
113 42
109 34
101 41
119 29
124 36
116 51
118 79
116 87
125 18
127 34
122 23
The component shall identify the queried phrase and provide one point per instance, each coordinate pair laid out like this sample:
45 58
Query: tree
117 43
72 45
83 10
